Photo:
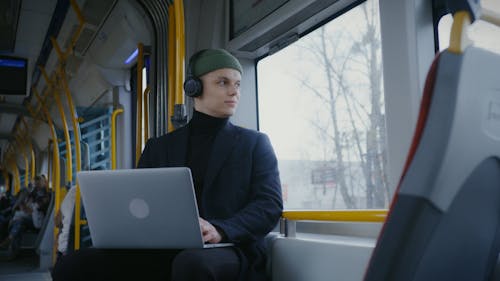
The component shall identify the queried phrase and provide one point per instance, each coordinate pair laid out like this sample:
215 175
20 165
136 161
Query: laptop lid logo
139 208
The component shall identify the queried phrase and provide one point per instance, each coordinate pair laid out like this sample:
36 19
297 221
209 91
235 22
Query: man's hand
209 232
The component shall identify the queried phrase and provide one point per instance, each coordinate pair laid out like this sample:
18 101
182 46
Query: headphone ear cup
193 87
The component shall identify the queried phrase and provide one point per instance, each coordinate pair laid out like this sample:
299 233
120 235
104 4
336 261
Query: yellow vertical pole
171 66
69 158
33 163
50 172
138 139
74 120
113 137
17 178
146 114
179 50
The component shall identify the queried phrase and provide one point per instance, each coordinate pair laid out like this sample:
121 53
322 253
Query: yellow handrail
458 35
171 67
69 157
138 138
179 50
33 162
376 215
50 167
81 22
74 120
147 91
113 137
17 178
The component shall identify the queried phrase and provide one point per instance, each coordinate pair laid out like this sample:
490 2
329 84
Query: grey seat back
444 221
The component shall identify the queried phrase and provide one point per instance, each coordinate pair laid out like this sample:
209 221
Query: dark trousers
221 264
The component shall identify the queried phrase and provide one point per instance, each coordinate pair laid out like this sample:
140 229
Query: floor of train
23 268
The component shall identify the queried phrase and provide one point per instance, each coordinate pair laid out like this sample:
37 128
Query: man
236 184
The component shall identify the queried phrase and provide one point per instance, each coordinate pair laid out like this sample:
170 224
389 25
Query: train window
321 103
483 34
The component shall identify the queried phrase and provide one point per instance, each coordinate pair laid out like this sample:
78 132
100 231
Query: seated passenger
39 200
237 188
14 210
29 211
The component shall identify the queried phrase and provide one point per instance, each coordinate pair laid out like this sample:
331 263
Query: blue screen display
13 76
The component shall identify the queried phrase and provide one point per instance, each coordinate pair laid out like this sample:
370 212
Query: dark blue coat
241 192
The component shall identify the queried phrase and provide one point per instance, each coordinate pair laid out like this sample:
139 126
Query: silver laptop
142 208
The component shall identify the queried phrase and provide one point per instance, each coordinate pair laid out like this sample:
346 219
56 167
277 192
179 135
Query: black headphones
193 87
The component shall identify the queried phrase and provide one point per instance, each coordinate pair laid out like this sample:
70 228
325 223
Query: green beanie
212 59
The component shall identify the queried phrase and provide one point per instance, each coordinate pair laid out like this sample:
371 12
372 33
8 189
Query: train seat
310 258
444 221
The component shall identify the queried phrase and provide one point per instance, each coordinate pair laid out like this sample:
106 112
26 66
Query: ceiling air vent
95 13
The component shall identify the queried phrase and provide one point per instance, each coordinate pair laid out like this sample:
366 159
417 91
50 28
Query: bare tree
370 49
342 57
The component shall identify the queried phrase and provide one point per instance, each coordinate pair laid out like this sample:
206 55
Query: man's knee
79 265
222 264
191 265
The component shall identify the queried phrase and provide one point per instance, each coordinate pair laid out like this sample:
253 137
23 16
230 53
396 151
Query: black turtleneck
202 131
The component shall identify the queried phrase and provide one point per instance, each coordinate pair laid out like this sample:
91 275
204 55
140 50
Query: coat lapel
223 145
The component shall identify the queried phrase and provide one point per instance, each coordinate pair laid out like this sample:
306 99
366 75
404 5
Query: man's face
221 93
